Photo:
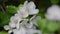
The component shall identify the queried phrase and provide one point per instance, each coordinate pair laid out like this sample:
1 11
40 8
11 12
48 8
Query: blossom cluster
20 24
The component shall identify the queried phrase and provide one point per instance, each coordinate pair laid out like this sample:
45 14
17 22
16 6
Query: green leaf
54 1
12 9
5 0
5 18
52 26
47 25
42 23
20 6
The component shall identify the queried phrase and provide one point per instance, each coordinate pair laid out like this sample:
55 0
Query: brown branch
2 8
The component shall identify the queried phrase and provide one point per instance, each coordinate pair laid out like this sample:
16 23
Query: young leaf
12 9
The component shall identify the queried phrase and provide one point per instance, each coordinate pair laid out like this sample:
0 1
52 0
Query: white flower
20 31
15 18
27 9
14 21
6 27
53 12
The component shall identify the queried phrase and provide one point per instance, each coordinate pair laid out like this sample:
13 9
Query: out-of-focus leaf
20 6
47 25
5 18
48 33
42 23
54 1
22 1
12 9
5 0
52 26
3 32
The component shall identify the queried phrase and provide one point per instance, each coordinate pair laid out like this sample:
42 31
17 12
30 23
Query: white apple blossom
53 12
20 21
7 27
15 18
14 21
27 9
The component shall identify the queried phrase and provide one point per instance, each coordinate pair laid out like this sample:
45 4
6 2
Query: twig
2 8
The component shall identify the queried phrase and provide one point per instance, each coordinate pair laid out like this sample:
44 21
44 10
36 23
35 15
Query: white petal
53 9
15 18
23 13
53 12
25 4
31 5
22 30
10 31
33 11
12 24
15 31
32 31
58 17
6 27
51 17
17 25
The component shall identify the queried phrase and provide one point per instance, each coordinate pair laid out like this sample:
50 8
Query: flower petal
32 31
31 5
17 25
12 24
25 4
10 31
15 18
23 13
15 31
33 11
6 27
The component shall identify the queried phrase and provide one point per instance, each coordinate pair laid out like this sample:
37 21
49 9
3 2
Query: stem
2 8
